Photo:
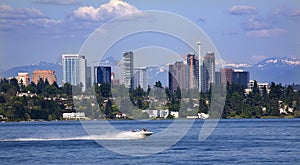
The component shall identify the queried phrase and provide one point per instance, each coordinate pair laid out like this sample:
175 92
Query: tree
158 84
108 108
40 86
2 99
67 89
14 82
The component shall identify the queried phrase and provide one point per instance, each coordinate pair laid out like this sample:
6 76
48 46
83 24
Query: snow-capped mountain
237 65
283 70
280 62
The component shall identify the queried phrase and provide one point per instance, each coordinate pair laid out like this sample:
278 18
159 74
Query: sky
243 31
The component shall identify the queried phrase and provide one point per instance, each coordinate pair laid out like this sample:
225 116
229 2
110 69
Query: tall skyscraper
226 75
192 71
128 69
141 78
44 74
24 78
208 71
218 78
177 76
74 69
240 77
89 75
102 75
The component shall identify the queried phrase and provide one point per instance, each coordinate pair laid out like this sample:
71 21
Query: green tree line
49 101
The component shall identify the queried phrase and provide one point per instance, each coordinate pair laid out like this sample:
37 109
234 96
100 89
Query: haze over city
242 31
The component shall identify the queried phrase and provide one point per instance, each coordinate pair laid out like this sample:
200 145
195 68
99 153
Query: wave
128 135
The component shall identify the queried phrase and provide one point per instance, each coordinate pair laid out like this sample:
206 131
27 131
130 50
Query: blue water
234 141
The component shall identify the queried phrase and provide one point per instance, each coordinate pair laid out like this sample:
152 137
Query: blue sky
244 31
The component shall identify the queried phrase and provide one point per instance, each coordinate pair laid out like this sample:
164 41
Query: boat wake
125 135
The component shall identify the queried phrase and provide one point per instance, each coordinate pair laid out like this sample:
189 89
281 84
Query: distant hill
13 72
282 70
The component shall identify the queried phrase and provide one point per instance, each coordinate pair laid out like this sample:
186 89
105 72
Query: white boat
141 133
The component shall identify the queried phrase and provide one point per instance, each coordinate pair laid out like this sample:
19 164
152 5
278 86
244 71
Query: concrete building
192 71
241 77
218 78
102 74
44 74
114 80
261 87
208 71
177 76
74 116
157 113
128 69
24 79
141 78
89 79
74 69
226 75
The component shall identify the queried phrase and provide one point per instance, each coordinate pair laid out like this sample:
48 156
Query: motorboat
142 133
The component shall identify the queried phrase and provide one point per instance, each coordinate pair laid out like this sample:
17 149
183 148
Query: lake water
234 141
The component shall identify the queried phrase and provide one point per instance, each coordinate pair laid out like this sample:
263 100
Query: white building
157 113
74 69
174 114
24 79
141 78
261 86
74 116
128 69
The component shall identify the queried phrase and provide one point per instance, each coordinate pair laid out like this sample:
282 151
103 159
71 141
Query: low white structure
174 114
74 116
27 94
157 113
261 87
203 116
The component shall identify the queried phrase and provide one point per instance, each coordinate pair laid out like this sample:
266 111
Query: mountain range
282 70
56 67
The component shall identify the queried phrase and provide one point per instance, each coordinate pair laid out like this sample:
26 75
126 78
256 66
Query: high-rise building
44 74
192 71
218 78
141 78
74 69
24 79
177 76
102 75
207 71
240 77
226 75
128 69
89 79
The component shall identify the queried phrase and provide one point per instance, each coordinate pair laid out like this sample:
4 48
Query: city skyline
243 32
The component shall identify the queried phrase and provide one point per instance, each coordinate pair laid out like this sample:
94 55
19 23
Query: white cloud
23 18
266 32
107 11
82 21
242 10
296 13
256 24
58 2
7 12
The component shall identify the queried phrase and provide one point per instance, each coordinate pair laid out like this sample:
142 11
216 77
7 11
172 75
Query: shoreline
230 118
